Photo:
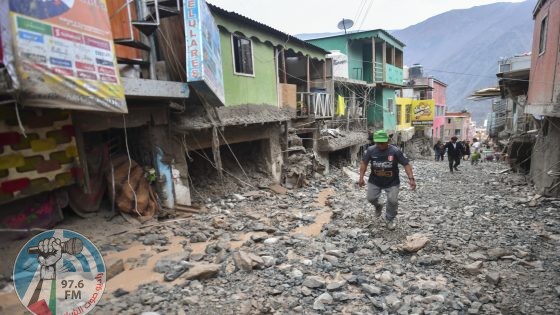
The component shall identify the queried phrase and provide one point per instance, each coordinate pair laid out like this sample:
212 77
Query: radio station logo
59 272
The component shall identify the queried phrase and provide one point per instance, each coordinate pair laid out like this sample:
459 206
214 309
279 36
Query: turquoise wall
389 118
378 113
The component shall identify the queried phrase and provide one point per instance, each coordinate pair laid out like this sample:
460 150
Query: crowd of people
458 151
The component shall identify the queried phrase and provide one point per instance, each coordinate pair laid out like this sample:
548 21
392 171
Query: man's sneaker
378 210
390 224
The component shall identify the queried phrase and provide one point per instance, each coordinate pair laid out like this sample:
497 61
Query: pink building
457 124
439 118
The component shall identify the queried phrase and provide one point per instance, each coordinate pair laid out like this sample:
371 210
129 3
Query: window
390 105
399 114
242 55
448 120
542 38
457 132
408 110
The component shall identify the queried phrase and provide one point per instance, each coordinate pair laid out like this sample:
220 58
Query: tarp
60 54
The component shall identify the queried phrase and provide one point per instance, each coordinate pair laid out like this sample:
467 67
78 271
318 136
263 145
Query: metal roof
243 19
359 34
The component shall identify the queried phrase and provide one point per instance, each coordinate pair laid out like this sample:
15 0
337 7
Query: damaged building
543 101
249 106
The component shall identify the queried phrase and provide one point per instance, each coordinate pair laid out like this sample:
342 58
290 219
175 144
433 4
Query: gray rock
198 237
191 300
337 285
393 302
497 253
314 282
297 274
114 267
336 253
325 298
202 271
318 305
474 268
386 277
341 296
493 277
477 256
370 289
176 271
475 308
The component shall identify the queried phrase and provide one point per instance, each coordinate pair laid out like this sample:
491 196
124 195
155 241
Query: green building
374 57
258 61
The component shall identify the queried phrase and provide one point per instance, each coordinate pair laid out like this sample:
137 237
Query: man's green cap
380 136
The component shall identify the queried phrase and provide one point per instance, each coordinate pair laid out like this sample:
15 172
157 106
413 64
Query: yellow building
404 118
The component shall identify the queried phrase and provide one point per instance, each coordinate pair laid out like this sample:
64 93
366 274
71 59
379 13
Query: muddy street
474 242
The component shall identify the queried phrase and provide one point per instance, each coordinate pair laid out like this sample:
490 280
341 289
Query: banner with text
423 112
204 56
60 54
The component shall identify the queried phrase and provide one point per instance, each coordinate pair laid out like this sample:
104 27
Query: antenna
345 24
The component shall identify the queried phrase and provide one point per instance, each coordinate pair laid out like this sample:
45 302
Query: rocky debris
474 268
247 261
485 252
276 188
415 243
314 282
493 277
176 270
114 267
202 271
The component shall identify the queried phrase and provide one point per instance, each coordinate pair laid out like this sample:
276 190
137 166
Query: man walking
384 159
454 153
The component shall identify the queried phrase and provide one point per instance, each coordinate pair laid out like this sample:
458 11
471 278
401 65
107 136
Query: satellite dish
345 24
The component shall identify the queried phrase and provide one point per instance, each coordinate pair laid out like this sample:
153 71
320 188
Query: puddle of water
199 248
11 304
321 218
130 279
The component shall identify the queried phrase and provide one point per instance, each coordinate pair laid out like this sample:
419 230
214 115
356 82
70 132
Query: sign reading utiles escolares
204 60
60 54
423 112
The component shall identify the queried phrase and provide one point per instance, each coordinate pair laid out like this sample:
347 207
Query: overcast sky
317 16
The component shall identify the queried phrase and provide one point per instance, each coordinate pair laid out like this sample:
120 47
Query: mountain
462 48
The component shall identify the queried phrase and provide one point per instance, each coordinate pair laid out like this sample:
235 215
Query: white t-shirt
476 147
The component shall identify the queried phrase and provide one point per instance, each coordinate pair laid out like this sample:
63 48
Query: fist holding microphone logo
59 272
50 251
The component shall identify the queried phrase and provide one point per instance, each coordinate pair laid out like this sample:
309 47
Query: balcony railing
393 75
318 105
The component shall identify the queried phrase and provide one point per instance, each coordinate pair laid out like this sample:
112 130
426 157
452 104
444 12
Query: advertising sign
423 112
60 54
204 59
59 272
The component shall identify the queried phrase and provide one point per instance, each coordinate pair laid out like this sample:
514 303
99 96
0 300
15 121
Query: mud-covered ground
473 242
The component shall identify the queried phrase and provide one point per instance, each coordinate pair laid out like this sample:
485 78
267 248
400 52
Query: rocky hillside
462 47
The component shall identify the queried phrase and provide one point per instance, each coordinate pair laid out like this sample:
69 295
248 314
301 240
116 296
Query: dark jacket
454 152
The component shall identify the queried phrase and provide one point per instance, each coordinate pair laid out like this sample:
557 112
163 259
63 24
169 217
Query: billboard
204 56
60 54
423 112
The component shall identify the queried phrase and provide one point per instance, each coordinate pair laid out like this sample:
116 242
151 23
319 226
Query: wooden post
325 73
216 151
384 47
284 75
393 56
307 61
373 58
